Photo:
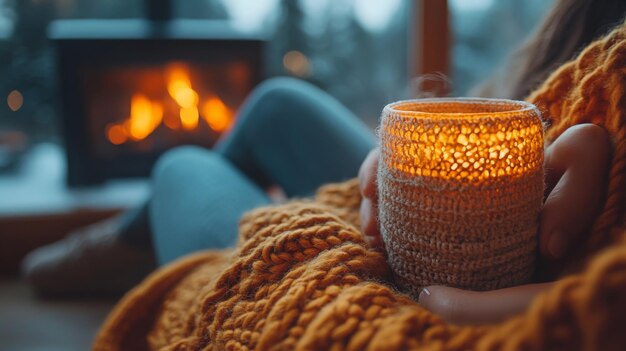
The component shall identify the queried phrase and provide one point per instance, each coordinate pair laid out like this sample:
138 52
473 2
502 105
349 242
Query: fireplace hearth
132 89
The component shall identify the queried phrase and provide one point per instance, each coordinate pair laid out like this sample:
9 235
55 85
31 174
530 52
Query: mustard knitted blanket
303 278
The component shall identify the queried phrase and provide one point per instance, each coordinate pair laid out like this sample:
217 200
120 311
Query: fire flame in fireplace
147 115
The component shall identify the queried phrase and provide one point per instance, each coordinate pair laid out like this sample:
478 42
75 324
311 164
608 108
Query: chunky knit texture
460 185
303 278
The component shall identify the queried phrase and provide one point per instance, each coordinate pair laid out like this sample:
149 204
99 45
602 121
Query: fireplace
131 89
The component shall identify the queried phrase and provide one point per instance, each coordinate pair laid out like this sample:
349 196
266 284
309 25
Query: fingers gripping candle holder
460 189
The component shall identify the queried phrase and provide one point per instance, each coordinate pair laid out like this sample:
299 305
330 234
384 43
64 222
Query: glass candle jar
460 184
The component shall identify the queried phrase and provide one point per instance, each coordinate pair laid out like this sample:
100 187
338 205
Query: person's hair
567 29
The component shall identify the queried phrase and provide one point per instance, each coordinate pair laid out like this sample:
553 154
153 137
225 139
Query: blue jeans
288 133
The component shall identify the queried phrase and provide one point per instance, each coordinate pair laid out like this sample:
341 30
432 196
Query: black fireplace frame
123 42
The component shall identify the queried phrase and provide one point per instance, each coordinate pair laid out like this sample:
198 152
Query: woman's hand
575 167
369 203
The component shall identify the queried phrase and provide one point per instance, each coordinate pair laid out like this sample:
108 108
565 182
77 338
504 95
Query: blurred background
354 49
91 92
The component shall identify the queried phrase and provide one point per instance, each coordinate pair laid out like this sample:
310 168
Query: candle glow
460 187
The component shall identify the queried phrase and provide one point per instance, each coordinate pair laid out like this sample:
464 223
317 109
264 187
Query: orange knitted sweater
302 276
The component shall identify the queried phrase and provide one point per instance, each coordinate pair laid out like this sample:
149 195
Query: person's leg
197 200
294 135
92 260
134 228
288 133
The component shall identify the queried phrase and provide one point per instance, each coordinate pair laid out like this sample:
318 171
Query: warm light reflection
297 63
216 114
15 100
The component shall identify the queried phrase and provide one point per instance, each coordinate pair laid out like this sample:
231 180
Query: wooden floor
28 323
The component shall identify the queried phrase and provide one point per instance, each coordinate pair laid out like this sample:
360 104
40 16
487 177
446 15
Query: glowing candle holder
460 189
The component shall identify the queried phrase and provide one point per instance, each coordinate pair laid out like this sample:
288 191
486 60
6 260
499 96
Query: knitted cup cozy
460 189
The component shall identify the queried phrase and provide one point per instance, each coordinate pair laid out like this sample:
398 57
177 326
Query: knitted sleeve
592 89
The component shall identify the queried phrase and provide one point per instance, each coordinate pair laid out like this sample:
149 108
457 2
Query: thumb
478 307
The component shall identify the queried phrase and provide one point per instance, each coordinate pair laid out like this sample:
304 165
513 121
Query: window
354 49
485 32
